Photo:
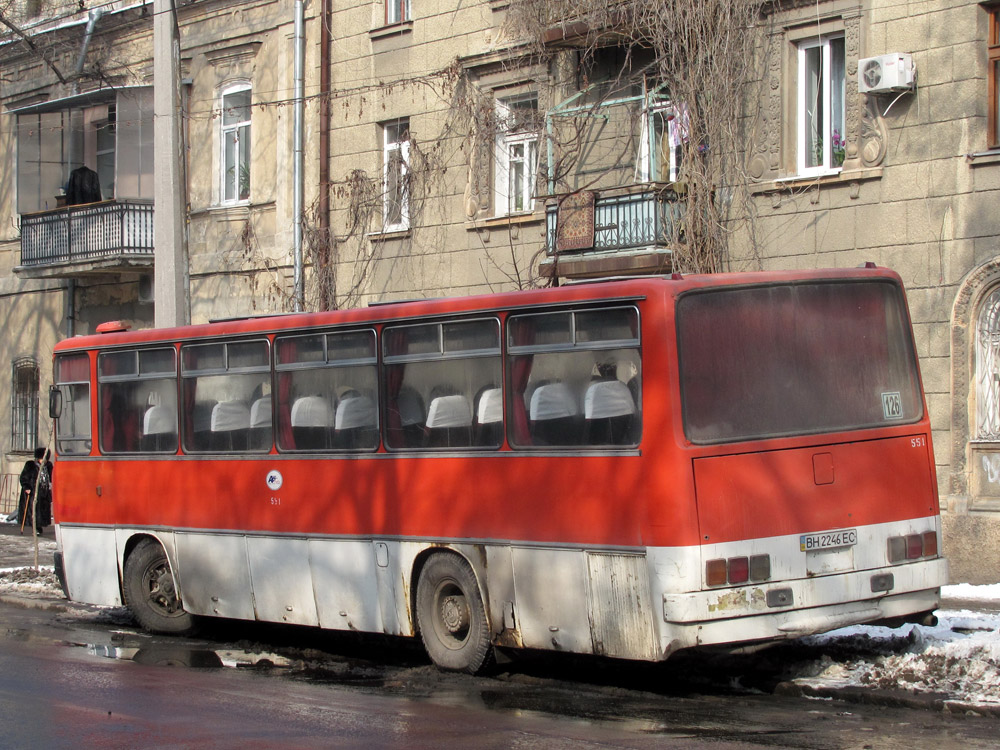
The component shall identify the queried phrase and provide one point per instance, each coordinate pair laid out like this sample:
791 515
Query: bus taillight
930 543
912 546
736 570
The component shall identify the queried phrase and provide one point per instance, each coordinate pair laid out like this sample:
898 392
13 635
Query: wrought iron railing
629 221
89 232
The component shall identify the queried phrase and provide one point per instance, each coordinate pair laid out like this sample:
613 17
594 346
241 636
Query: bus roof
597 291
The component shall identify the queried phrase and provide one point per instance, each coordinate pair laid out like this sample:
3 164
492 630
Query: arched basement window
988 368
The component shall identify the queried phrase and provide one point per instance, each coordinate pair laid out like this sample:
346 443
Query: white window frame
229 180
650 152
826 99
396 11
520 199
396 145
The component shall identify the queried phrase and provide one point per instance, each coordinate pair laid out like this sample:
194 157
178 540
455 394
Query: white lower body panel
636 604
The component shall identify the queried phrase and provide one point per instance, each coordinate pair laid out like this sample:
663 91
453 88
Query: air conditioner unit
885 73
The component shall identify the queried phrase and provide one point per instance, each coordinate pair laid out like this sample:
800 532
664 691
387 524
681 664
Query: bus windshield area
796 358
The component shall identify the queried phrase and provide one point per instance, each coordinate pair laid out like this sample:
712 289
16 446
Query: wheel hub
454 613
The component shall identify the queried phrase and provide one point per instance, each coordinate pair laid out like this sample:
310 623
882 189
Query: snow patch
959 658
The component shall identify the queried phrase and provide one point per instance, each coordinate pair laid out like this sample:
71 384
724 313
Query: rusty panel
620 613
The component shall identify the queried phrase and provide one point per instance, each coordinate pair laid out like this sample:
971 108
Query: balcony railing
647 219
112 230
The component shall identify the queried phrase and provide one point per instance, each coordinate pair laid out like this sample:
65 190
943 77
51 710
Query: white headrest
449 411
552 401
490 409
260 412
355 411
310 411
230 415
608 398
159 420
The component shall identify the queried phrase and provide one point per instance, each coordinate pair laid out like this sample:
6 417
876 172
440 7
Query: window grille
24 406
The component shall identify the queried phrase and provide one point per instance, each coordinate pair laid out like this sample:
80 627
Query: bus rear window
794 359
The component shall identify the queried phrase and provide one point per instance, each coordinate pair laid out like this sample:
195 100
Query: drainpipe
92 18
297 180
326 292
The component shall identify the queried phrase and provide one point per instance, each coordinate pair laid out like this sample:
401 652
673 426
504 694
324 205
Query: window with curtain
575 378
820 144
235 143
24 406
397 11
443 385
327 386
138 401
661 140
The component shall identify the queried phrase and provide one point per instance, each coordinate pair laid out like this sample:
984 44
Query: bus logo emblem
274 479
892 405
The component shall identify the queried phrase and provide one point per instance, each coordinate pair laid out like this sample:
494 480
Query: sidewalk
17 549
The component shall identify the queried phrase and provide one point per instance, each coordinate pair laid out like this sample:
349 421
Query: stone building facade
445 155
912 183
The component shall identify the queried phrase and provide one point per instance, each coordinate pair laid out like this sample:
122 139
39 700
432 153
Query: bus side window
73 426
226 397
326 397
575 378
436 375
138 401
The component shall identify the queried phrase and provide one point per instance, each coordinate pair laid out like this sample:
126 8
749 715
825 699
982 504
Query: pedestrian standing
36 473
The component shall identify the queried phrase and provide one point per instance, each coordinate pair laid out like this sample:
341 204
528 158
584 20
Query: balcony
97 238
620 231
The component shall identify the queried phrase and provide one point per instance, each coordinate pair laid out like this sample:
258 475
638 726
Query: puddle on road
180 656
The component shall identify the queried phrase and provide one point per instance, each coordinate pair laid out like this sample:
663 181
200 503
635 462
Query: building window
516 154
820 112
104 151
395 175
397 11
988 368
24 409
235 102
994 77
661 141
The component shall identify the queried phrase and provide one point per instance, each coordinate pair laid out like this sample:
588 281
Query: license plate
828 540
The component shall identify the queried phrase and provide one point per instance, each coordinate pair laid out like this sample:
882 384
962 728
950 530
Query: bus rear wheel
451 616
150 591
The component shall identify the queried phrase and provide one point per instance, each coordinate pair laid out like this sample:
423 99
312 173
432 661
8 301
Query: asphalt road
74 676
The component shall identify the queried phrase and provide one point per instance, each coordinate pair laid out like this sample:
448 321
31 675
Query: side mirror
55 402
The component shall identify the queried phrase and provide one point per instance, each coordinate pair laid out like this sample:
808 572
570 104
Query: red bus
624 468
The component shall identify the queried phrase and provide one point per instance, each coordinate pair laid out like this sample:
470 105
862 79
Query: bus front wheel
150 591
451 616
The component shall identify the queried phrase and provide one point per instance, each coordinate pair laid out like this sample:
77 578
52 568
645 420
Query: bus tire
451 616
150 591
